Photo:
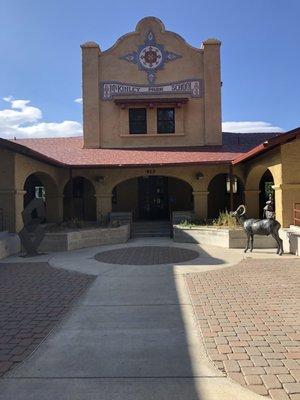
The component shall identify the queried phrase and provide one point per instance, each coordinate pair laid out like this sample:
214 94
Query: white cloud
79 100
249 127
23 121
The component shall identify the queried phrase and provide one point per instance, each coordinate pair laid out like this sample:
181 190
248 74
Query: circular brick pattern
147 255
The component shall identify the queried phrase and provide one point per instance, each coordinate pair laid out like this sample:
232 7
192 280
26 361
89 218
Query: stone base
291 240
9 244
65 241
232 239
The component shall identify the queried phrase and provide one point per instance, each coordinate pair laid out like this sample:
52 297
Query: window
165 120
137 121
39 192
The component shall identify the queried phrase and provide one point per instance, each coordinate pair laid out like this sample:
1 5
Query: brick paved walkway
33 298
249 319
148 255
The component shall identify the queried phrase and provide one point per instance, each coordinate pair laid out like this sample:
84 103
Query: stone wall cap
212 41
150 20
90 44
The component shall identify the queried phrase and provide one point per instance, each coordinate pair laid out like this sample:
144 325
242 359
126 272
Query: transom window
137 121
165 120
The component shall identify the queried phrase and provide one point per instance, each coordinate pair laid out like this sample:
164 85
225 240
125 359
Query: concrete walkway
132 336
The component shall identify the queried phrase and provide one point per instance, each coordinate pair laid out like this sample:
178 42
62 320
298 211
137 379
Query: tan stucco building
152 142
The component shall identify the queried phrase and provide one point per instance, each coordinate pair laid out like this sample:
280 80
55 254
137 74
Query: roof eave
26 151
268 145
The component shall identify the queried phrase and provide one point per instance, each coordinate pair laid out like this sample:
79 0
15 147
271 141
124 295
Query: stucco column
103 205
200 204
19 207
212 91
90 95
7 210
278 204
252 203
285 197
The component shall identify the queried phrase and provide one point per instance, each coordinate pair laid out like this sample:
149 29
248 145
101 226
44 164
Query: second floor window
165 120
137 121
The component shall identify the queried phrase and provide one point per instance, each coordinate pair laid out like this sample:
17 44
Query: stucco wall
290 189
284 164
197 123
14 170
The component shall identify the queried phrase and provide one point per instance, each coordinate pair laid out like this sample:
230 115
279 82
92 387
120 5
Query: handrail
296 211
1 219
171 219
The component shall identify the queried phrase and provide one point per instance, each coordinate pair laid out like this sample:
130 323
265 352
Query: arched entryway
42 185
219 194
152 197
265 190
79 200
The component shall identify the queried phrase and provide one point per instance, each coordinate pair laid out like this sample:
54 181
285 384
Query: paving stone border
249 316
147 255
34 297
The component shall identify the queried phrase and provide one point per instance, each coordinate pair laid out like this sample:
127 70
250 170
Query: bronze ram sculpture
252 226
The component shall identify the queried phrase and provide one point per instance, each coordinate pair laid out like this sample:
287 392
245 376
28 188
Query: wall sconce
99 179
199 176
234 184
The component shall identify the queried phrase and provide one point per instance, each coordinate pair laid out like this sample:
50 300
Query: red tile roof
267 145
69 152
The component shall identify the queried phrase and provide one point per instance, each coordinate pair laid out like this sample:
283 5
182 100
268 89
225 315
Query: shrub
191 223
225 220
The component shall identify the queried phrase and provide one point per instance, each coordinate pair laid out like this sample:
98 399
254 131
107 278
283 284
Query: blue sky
41 56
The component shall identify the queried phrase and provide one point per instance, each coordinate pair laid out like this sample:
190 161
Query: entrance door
153 197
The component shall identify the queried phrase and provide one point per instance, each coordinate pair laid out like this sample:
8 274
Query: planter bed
223 237
80 238
9 244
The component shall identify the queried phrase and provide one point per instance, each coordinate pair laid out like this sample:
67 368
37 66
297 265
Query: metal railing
1 219
296 214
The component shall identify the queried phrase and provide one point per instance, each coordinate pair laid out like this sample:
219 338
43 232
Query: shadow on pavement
130 337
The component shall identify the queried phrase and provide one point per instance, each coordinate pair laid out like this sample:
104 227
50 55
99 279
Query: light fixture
100 179
234 184
199 176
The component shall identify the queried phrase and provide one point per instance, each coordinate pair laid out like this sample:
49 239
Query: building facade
152 142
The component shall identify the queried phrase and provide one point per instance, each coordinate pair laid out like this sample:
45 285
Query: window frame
163 131
133 121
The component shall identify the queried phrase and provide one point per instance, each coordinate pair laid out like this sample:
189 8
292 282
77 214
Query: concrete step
150 225
149 234
151 229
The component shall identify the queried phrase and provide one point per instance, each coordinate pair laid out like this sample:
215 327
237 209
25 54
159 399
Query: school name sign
111 89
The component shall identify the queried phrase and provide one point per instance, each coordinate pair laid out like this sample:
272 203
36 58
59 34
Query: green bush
192 223
225 220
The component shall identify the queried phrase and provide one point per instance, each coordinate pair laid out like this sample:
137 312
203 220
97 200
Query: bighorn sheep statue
252 226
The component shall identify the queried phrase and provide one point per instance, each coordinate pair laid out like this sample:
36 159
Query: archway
79 200
152 197
219 195
265 190
42 185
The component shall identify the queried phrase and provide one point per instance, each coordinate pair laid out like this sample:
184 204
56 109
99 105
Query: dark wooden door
153 197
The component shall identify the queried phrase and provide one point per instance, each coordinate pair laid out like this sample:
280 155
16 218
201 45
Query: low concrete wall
291 239
9 244
64 241
232 239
